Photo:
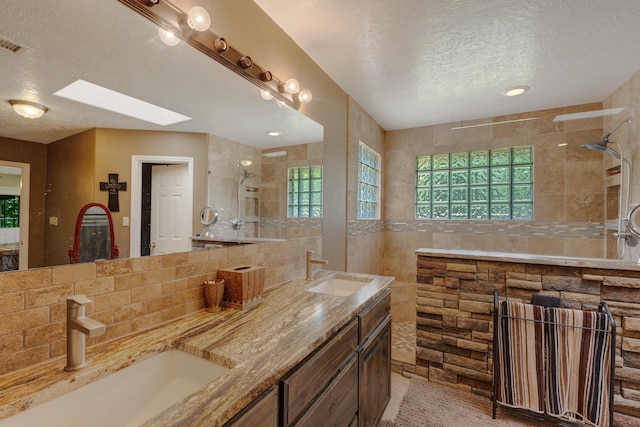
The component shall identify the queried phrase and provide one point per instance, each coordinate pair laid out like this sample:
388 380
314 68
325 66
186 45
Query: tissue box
243 286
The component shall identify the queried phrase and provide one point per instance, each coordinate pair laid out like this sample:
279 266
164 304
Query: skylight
107 99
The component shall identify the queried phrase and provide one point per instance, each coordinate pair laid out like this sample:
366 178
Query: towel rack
541 328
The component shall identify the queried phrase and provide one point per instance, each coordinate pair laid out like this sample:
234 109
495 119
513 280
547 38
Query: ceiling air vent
8 45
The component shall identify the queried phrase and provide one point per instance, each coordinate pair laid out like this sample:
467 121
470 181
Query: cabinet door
337 406
375 375
301 386
261 412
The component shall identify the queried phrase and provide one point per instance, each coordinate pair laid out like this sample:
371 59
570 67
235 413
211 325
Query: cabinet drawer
338 405
261 412
371 316
313 375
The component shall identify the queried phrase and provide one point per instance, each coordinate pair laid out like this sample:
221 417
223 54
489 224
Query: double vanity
309 348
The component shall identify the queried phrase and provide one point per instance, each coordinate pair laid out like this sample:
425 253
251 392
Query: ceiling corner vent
9 46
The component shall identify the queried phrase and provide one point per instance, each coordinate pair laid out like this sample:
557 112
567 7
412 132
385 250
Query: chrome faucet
79 326
311 261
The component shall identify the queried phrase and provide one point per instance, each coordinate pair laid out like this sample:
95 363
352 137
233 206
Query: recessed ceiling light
274 133
107 99
563 144
516 90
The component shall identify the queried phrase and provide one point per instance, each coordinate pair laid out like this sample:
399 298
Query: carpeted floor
427 404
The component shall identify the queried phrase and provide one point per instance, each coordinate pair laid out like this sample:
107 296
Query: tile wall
568 199
129 295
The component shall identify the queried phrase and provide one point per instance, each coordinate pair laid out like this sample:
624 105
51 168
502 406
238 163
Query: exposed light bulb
305 96
292 86
198 19
266 95
168 37
280 103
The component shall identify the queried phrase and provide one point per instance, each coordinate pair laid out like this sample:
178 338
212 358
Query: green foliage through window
9 211
483 184
369 165
305 192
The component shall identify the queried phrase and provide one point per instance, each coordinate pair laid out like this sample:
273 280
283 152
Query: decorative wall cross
113 186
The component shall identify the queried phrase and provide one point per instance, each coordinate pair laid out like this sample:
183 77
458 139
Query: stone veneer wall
455 321
129 295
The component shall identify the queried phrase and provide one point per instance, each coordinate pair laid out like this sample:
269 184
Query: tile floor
399 386
403 349
403 342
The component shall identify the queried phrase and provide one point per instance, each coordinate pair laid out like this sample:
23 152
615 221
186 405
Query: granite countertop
598 263
258 346
235 239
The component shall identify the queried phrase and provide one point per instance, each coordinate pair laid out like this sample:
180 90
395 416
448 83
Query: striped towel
578 345
518 362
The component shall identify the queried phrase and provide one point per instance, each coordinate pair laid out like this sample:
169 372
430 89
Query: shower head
604 141
246 175
601 146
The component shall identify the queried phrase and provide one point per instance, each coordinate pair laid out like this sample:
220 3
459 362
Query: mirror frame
74 251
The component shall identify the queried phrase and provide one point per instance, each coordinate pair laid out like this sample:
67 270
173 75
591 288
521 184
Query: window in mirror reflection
9 211
305 192
369 165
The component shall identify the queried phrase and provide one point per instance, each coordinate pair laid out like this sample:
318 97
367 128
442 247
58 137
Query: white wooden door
170 215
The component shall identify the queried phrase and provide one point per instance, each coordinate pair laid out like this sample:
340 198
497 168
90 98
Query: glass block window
305 192
9 211
369 164
483 184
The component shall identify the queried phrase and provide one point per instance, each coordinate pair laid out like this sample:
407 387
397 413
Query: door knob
152 245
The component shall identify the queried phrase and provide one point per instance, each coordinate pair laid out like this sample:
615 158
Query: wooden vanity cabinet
374 355
261 412
338 405
325 385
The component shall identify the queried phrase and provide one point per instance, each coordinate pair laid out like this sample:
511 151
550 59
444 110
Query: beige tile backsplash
129 295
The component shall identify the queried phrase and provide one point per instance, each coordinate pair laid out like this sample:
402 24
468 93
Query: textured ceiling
412 63
104 42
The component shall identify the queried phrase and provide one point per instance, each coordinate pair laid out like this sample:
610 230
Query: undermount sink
128 397
340 286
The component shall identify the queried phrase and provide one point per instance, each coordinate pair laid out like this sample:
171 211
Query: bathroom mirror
116 48
93 238
208 218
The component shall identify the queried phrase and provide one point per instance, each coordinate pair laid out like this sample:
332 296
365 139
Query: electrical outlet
53 220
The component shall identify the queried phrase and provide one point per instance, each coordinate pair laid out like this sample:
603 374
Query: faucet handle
76 301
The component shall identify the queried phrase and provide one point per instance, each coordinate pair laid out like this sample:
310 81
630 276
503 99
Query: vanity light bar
171 18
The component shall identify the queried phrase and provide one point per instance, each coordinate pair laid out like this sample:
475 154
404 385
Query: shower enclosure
625 235
237 223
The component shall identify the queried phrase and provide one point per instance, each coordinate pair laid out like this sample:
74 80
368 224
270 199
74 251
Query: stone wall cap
602 263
